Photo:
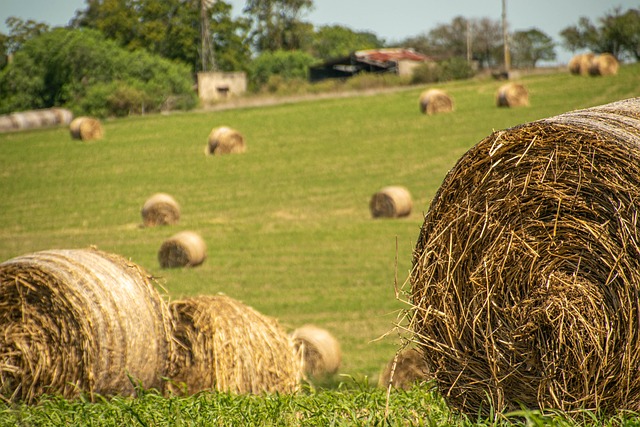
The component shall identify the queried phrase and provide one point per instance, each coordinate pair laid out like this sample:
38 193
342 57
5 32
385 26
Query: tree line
270 37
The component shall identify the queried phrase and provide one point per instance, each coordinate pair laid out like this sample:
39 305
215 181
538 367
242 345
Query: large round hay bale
26 120
580 64
321 354
406 369
79 321
63 116
512 95
526 271
393 201
160 209
86 128
225 140
227 346
433 101
183 249
604 64
47 117
6 124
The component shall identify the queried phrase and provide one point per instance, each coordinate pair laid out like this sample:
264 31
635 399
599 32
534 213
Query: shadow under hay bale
527 269
512 95
435 101
86 128
183 249
79 321
224 140
160 209
321 354
391 202
406 369
580 64
228 346
604 64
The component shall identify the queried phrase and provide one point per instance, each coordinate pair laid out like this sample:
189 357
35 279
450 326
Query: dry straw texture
228 346
160 209
433 101
391 202
404 370
604 65
527 268
224 140
580 64
77 321
86 128
183 249
321 352
512 95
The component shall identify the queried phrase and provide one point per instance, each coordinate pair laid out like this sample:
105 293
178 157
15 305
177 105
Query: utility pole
505 39
468 42
207 53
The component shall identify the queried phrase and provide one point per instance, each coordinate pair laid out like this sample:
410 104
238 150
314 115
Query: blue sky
391 20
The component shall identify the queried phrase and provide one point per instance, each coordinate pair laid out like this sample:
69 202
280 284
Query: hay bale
435 101
391 202
228 346
224 140
581 63
86 128
63 116
79 321
512 95
25 120
526 272
160 209
321 354
604 65
406 369
184 249
6 124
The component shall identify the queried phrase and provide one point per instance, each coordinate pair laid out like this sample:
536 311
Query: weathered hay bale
406 369
183 249
433 101
391 202
604 64
225 140
63 116
321 354
581 63
512 95
526 272
86 128
47 117
160 209
230 347
79 321
26 120
6 124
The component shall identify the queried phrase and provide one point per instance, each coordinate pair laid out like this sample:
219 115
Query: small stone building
217 86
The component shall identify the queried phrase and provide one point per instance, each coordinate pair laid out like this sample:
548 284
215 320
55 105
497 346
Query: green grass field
287 223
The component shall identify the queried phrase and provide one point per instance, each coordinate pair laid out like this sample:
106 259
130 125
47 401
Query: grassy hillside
287 224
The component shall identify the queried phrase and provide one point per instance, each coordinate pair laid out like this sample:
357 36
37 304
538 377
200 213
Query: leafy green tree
287 65
277 24
530 46
334 41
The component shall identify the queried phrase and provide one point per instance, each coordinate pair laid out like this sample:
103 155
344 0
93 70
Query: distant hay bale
86 128
604 65
404 370
321 352
580 64
512 95
526 271
228 346
6 124
435 101
183 249
160 209
63 116
26 120
391 202
224 140
79 321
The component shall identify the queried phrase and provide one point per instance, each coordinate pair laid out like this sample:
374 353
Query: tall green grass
287 223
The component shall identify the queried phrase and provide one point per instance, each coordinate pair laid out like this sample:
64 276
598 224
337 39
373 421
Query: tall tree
333 41
277 24
19 32
530 46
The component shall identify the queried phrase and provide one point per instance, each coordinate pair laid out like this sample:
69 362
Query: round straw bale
512 95
526 271
63 116
86 128
404 370
184 249
228 346
47 117
581 63
433 101
391 202
604 64
26 120
224 140
6 124
79 321
321 354
160 209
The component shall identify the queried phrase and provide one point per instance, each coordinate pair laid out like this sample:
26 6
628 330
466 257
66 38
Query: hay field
287 223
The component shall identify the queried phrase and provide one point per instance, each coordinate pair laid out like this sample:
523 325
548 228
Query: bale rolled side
228 346
321 352
79 321
183 249
225 140
160 209
526 272
86 128
512 95
433 101
604 64
580 64
391 202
